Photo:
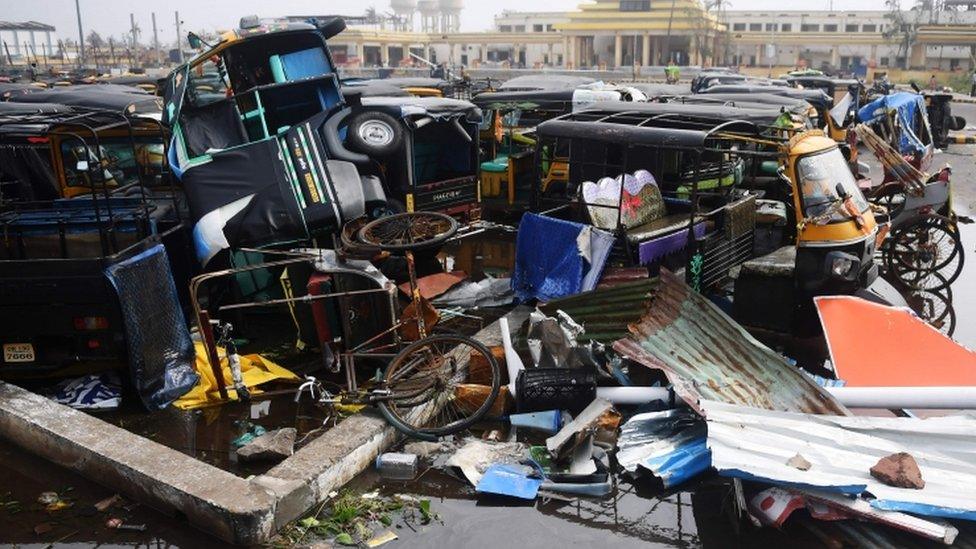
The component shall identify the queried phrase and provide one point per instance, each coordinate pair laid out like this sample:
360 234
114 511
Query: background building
854 40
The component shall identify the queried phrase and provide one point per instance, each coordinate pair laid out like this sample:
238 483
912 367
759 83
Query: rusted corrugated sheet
606 313
706 354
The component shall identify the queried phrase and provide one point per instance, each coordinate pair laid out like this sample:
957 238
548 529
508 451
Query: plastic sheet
549 262
159 348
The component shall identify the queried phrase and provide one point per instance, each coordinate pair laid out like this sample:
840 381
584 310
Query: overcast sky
111 17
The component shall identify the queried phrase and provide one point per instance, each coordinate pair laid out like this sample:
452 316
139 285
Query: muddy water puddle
627 518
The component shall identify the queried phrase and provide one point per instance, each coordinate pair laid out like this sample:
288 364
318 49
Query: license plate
18 352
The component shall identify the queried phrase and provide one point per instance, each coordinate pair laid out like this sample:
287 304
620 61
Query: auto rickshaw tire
375 133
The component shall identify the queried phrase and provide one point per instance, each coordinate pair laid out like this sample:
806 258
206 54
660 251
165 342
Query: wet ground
633 516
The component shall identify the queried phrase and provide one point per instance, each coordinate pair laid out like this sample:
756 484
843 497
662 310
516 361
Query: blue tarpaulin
556 258
910 109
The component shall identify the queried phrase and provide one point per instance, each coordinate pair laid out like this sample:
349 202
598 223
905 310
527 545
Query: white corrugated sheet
753 443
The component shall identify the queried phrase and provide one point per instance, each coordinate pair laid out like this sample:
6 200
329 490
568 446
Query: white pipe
633 395
960 398
512 360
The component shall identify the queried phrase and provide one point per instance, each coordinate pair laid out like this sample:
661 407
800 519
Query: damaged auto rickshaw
271 153
829 240
663 181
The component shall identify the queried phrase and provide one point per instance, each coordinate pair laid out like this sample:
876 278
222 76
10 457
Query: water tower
403 9
429 15
450 15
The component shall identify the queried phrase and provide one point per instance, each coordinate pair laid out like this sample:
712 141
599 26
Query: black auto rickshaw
92 238
507 135
664 181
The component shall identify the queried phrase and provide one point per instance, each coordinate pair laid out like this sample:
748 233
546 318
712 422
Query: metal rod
299 299
206 330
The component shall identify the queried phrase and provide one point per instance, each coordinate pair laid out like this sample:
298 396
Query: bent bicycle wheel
408 231
921 247
934 306
428 381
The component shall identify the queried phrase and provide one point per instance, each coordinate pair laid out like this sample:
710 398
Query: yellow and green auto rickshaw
829 245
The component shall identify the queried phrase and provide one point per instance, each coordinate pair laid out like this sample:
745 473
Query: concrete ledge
211 499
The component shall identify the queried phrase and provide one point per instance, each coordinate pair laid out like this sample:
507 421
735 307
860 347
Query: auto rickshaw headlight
843 266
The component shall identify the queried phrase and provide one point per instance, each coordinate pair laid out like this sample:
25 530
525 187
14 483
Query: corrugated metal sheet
670 444
606 313
706 354
867 535
755 444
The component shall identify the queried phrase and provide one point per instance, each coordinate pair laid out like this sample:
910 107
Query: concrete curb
213 500
236 510
963 139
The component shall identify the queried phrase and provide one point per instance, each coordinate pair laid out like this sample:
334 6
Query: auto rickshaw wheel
375 133
923 246
408 231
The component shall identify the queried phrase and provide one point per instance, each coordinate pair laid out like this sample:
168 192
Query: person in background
672 73
933 84
972 90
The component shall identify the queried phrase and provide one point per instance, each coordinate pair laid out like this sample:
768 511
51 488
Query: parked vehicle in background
79 202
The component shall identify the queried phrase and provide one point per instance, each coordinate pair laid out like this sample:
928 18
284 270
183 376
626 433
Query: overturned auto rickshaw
271 153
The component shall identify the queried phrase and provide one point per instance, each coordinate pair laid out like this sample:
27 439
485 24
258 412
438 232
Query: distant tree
903 29
95 40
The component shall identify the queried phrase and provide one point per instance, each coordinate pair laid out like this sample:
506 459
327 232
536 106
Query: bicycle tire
899 269
393 414
402 222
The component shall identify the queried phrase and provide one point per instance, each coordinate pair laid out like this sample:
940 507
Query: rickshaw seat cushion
780 263
658 227
499 164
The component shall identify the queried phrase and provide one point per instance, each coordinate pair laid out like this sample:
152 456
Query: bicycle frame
326 264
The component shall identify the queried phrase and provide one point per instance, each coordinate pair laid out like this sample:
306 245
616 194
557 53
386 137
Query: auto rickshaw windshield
822 177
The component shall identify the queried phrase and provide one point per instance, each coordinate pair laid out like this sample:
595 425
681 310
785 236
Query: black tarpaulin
272 216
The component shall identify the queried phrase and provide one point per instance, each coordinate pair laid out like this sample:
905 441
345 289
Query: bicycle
416 393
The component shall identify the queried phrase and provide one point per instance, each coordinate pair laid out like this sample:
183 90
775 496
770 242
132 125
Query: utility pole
179 38
155 38
81 35
134 31
667 42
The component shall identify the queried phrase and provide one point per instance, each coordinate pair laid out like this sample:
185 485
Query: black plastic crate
539 389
